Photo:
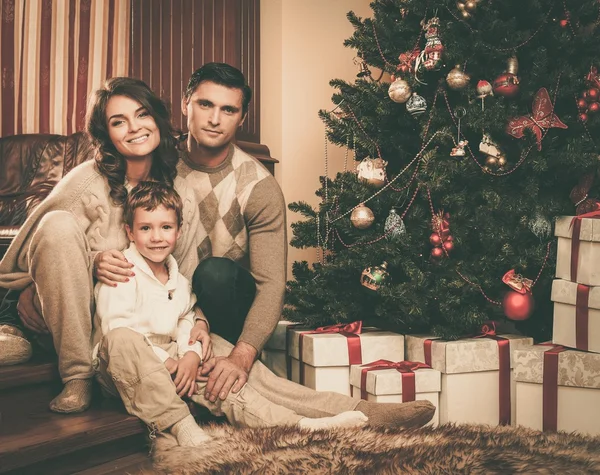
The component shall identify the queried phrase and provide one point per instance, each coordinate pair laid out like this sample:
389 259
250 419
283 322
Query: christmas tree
481 133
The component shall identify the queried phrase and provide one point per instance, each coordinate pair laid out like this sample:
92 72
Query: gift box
322 360
276 361
386 381
278 338
578 254
477 386
576 315
558 389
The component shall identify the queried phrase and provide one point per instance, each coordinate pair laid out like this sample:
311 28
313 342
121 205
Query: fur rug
469 449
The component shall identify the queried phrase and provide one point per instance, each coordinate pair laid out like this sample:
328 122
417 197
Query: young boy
142 348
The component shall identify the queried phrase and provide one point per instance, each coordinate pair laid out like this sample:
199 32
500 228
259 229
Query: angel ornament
372 170
541 119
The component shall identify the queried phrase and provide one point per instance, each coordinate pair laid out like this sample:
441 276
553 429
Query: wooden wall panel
172 38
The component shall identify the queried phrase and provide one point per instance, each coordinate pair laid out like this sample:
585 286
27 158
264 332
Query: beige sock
400 415
188 433
339 421
76 396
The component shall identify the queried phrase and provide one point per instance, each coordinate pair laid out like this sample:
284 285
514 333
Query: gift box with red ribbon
274 353
557 389
320 359
578 253
477 385
401 381
576 315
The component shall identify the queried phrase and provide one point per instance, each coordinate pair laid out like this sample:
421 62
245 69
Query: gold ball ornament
470 5
400 91
501 161
491 161
457 79
362 217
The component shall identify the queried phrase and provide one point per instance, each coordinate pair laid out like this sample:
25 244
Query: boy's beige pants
127 366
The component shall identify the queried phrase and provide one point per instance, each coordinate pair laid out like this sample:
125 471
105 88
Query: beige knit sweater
85 193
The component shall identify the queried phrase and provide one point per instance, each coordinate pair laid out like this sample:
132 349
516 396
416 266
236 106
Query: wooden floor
33 440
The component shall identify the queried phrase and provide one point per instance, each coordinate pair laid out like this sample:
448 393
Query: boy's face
214 113
155 233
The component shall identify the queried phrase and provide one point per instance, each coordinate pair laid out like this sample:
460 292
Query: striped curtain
52 54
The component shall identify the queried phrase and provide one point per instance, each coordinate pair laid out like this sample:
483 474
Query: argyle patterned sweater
242 217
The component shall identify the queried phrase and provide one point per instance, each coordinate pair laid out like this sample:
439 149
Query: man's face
214 113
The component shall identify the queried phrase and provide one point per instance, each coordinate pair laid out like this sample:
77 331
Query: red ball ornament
581 104
594 107
592 94
435 239
448 245
507 85
437 253
517 306
583 117
563 23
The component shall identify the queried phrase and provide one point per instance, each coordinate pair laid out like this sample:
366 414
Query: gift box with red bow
320 359
402 381
274 353
557 389
576 315
477 385
578 254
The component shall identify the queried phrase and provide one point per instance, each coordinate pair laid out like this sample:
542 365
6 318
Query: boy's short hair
150 195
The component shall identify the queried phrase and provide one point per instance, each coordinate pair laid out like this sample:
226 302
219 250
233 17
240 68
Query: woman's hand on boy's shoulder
111 267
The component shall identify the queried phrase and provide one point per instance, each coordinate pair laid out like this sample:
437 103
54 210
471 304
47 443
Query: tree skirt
468 449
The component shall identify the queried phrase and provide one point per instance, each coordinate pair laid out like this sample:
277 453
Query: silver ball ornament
400 91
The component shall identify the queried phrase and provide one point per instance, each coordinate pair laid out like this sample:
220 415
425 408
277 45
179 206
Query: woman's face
131 128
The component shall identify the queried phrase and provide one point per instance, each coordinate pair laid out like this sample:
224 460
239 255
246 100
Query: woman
79 225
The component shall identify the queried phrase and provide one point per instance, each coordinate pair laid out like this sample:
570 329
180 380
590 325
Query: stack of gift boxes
557 384
489 378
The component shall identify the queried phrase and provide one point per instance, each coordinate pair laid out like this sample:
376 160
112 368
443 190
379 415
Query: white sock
188 433
342 420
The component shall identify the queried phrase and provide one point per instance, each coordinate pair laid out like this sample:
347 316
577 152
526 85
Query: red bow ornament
541 118
517 282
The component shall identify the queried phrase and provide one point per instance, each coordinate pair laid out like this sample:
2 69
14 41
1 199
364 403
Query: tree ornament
467 8
542 117
372 170
430 59
407 61
440 239
583 117
540 226
495 159
435 239
507 84
484 89
394 226
457 79
563 23
518 302
594 107
589 97
437 253
459 149
582 104
362 217
400 91
374 277
448 245
416 105
592 94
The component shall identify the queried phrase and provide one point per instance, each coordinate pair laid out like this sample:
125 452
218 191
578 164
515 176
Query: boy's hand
185 381
171 365
200 333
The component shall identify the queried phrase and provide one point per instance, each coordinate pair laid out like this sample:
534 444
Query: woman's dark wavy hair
110 162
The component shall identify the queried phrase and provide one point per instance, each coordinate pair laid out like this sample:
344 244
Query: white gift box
276 361
588 268
470 376
326 361
567 331
578 391
385 385
278 338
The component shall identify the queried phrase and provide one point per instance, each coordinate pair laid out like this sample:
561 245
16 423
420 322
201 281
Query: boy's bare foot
76 396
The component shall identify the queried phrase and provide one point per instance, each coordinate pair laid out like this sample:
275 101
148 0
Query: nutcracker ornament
430 59
440 239
372 170
518 302
495 159
362 217
374 277
507 84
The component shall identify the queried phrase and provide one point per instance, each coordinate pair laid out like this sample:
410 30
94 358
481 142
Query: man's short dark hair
223 74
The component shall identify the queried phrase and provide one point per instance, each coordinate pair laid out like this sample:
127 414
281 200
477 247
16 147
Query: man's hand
228 373
200 333
171 365
28 313
185 381
111 267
